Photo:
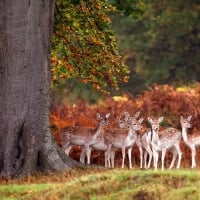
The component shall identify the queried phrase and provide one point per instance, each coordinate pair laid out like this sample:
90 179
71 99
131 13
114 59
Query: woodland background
116 56
107 56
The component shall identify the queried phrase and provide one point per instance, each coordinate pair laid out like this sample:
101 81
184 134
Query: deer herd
151 142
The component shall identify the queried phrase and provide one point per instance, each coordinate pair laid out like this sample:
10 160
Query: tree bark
26 142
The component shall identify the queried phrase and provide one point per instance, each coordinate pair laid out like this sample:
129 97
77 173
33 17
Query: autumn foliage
84 45
157 101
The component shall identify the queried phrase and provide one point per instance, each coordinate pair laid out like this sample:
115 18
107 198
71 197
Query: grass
106 185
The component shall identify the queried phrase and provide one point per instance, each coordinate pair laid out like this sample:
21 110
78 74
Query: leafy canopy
84 45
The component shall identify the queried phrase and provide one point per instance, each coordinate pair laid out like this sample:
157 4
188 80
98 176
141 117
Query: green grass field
106 185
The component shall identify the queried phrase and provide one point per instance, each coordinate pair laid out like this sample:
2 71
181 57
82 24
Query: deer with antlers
167 139
192 141
83 137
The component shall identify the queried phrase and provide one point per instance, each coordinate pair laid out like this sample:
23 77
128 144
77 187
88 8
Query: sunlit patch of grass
22 191
107 185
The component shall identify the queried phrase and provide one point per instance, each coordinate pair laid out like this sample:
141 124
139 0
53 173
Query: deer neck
132 133
98 131
184 134
155 137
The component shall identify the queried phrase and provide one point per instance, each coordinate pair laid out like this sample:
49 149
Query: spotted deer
83 137
167 139
100 144
192 141
143 143
123 139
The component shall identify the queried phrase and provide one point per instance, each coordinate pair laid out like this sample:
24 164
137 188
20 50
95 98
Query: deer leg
67 148
179 155
123 156
106 159
163 158
141 157
110 158
179 159
155 156
129 157
113 158
150 156
155 159
83 155
193 156
174 152
145 159
108 154
88 153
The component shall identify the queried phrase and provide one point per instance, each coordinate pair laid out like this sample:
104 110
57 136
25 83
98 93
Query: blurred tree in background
164 44
158 40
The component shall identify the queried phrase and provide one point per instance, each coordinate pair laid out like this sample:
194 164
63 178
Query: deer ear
107 115
141 120
137 114
98 116
126 114
150 120
160 119
189 118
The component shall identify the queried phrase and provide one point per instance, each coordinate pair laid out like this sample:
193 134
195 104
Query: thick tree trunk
26 143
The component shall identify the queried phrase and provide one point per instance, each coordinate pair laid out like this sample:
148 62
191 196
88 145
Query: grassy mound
107 185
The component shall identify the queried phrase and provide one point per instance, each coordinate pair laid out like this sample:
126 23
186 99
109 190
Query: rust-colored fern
157 101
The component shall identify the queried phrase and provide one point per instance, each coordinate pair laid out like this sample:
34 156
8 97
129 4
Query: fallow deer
143 143
167 139
192 141
100 144
123 139
83 137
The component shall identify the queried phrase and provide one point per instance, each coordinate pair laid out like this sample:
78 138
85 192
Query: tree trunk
26 143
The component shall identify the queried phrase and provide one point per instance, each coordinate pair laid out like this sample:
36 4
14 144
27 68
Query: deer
191 141
143 143
167 139
100 144
123 139
83 137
